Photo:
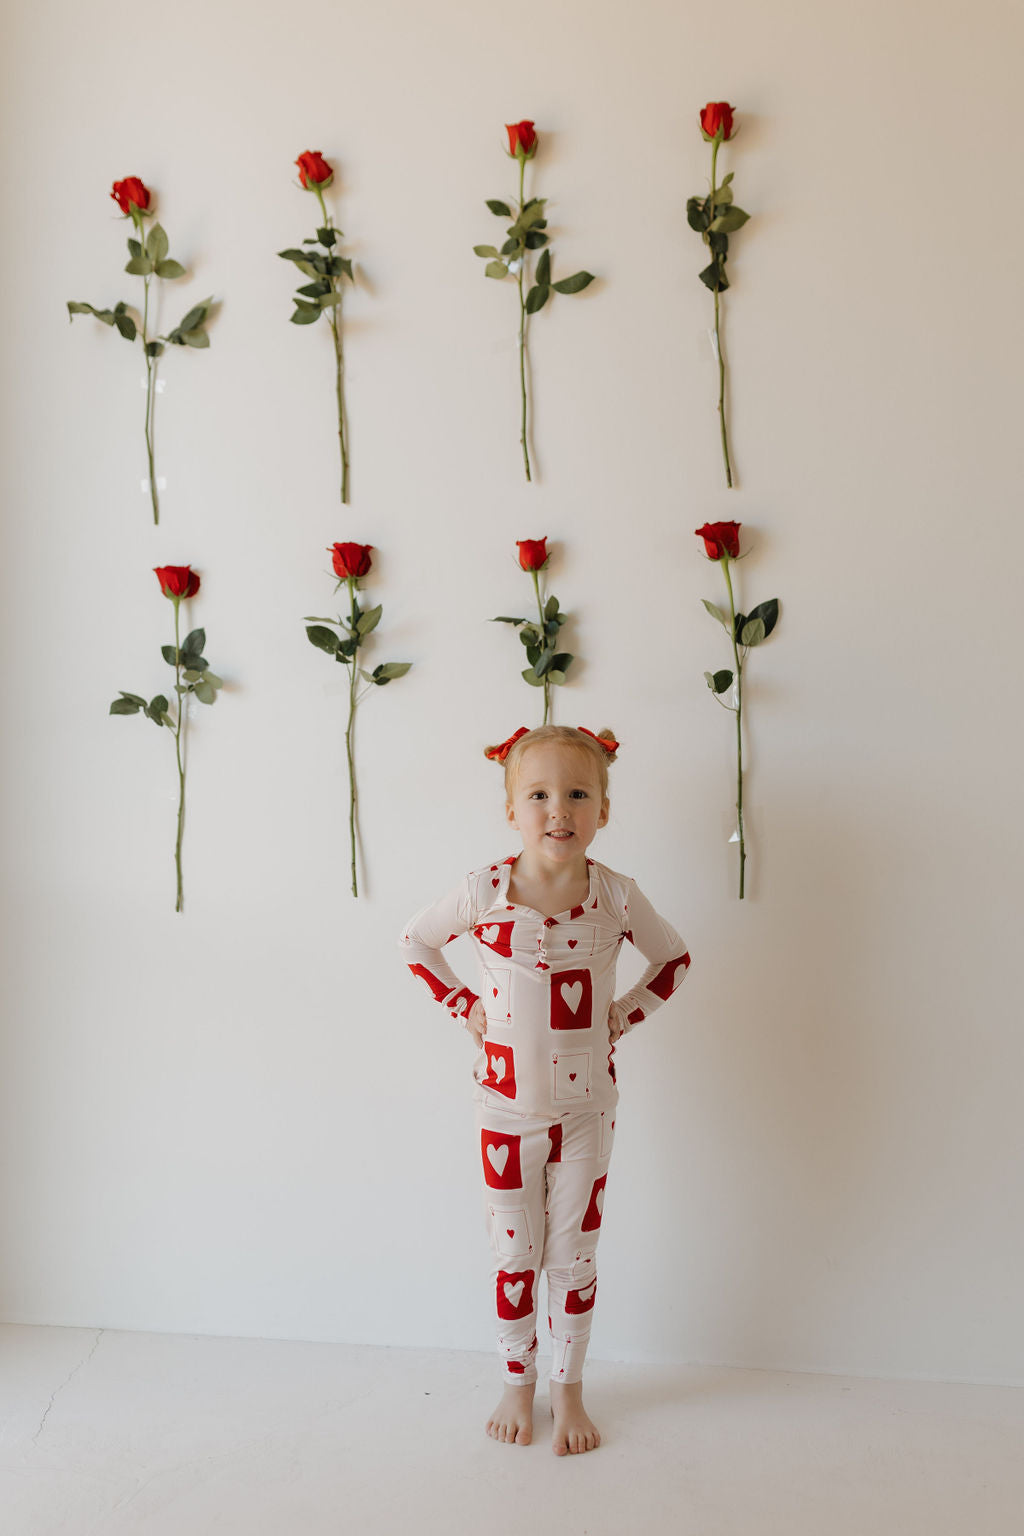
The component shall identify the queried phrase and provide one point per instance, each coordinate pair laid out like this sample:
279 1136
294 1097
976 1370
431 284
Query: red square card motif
592 1216
497 936
500 1076
500 1154
581 1300
571 1000
515 1293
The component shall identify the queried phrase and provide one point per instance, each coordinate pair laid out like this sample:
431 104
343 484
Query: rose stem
522 334
339 359
739 721
180 726
353 674
540 609
150 381
718 340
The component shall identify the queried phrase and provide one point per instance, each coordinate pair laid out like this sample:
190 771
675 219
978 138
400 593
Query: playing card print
497 936
497 992
669 977
592 1216
571 1000
500 1152
500 1076
514 1295
555 1142
570 1072
511 1232
581 1300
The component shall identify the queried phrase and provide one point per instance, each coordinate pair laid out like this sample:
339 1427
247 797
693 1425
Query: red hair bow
602 741
499 753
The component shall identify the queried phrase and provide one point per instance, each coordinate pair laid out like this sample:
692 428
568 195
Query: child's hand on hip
615 1029
476 1023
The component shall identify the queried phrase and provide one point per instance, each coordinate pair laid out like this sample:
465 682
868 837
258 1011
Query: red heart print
495 884
573 943
572 1077
511 1231
495 990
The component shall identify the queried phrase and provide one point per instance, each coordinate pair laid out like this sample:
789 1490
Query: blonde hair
569 736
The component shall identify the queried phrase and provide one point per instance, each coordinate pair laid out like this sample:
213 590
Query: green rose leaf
714 278
196 338
322 638
504 619
500 208
562 661
719 681
537 298
139 266
192 674
196 315
75 307
205 692
126 705
543 662
696 214
293 254
551 607
194 642
390 670
126 326
716 613
535 238
327 237
169 655
305 313
495 269
157 243
544 270
156 709
531 677
485 250
134 247
369 620
329 300
556 677
315 290
154 349
510 248
574 284
729 221
213 679
768 613
170 268
753 632
532 214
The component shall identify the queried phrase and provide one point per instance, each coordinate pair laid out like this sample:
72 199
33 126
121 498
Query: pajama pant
544 1185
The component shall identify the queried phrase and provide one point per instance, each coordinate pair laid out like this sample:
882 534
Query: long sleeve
423 939
659 943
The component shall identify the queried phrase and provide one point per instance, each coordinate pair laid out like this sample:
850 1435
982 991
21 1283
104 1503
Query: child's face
557 804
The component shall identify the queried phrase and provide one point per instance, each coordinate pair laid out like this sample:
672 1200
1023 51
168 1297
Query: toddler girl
547 924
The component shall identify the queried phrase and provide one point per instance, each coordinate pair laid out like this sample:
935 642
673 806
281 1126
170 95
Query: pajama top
548 984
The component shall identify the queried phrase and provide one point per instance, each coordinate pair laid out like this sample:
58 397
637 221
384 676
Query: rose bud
350 560
177 581
715 119
314 170
131 192
533 554
522 141
721 540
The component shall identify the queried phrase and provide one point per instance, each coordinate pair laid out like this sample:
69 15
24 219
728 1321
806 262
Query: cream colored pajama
545 1076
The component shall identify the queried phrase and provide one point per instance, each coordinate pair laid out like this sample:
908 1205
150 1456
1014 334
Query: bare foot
574 1431
512 1420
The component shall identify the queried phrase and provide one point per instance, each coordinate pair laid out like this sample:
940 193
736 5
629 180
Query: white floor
115 1433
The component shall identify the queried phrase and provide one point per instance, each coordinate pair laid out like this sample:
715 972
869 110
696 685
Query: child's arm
669 959
422 941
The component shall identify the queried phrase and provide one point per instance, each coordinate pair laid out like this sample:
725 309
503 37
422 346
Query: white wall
250 1120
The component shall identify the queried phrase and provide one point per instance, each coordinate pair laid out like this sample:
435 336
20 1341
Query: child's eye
579 794
538 794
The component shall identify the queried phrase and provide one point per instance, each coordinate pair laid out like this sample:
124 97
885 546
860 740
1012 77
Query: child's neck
549 890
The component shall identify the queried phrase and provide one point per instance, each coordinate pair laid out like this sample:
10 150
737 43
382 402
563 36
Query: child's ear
510 813
602 819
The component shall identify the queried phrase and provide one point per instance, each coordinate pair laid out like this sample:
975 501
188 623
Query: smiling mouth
561 836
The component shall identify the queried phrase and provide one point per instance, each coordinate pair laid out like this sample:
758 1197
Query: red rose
533 553
720 540
130 191
177 581
522 141
314 170
351 560
716 118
